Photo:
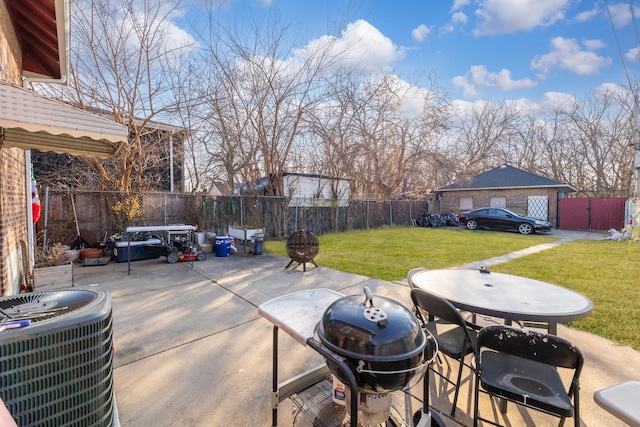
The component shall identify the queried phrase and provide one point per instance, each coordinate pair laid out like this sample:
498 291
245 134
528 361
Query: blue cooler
223 246
137 249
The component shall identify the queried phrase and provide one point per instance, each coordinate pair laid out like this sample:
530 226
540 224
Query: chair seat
449 330
525 381
451 338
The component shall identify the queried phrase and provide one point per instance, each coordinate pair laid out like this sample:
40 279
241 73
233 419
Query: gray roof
503 177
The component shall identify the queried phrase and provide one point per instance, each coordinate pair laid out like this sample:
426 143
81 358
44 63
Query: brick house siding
516 200
13 202
10 54
13 219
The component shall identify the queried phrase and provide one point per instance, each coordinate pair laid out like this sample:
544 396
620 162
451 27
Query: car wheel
472 224
172 257
525 228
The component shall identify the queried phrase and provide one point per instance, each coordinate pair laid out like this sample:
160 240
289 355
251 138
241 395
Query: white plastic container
200 237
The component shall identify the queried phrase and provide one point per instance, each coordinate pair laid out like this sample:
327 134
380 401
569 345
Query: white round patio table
505 296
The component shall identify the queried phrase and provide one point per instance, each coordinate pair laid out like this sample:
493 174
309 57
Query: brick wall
13 219
516 199
13 202
10 54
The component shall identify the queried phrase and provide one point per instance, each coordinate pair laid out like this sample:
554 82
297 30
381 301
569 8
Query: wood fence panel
607 213
592 213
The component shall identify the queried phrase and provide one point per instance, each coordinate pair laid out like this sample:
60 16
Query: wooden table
505 296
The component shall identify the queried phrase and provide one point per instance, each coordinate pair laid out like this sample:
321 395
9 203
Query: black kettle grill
381 342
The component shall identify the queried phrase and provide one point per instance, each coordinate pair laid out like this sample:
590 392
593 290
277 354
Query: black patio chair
522 366
454 336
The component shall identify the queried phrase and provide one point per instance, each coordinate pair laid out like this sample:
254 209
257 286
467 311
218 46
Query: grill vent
59 370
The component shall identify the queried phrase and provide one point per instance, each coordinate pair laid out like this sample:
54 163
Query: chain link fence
104 213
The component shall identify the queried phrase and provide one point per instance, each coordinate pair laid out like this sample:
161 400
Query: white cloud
593 44
360 45
175 39
459 18
414 99
567 54
478 77
621 14
421 32
509 16
522 105
633 54
462 110
469 89
612 88
557 100
587 15
446 29
459 4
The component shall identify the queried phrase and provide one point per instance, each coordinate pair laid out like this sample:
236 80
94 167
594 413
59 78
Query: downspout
30 225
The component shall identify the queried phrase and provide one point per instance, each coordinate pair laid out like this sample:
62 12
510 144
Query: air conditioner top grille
58 371
43 305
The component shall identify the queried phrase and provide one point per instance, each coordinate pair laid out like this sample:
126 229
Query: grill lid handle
368 296
372 313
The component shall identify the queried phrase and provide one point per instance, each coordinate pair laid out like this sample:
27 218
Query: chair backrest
412 273
436 306
533 345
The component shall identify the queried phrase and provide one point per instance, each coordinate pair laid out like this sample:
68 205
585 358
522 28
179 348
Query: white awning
31 121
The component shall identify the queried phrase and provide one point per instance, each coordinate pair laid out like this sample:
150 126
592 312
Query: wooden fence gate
592 213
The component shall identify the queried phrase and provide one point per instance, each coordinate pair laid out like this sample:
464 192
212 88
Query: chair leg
457 386
475 400
503 405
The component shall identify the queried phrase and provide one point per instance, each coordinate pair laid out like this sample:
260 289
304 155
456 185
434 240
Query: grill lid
379 331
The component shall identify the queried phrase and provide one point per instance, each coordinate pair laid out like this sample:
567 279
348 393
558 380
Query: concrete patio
192 350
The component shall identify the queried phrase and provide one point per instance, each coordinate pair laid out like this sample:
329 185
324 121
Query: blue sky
481 49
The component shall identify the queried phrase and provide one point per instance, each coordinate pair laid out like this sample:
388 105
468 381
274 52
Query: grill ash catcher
372 344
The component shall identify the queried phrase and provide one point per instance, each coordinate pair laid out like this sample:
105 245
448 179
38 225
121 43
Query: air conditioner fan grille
62 375
44 305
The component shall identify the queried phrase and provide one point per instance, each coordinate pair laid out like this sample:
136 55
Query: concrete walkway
192 350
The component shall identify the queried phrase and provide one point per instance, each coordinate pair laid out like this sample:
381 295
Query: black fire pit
302 247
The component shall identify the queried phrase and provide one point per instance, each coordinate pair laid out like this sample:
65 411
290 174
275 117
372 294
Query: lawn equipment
177 251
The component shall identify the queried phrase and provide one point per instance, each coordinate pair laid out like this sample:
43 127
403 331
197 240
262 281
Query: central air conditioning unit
58 371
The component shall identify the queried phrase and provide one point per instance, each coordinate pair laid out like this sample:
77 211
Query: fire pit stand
302 247
298 314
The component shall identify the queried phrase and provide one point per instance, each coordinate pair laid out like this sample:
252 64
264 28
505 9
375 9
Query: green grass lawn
607 272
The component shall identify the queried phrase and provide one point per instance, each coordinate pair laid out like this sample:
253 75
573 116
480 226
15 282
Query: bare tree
392 137
483 135
604 141
123 55
256 100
